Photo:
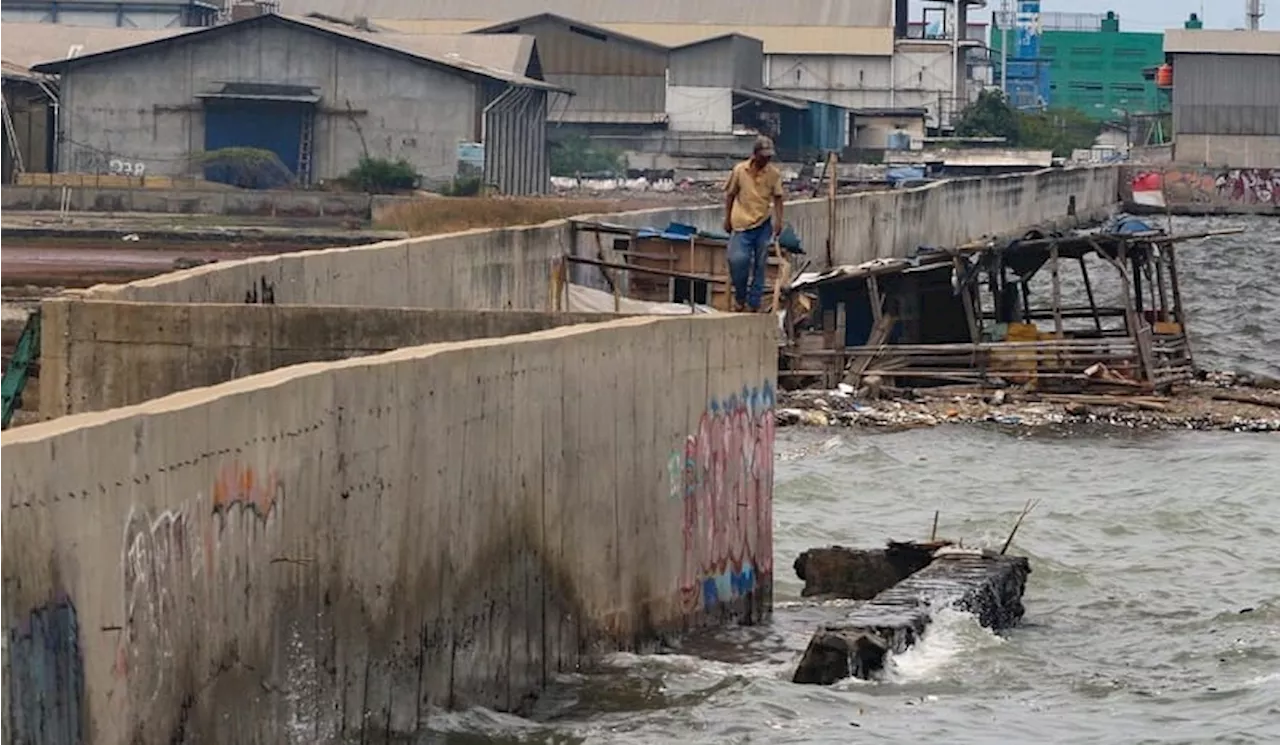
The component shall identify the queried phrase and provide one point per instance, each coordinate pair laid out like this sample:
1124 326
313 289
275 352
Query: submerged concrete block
989 586
860 573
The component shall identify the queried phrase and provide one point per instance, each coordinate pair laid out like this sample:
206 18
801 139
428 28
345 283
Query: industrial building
320 96
617 80
848 54
30 98
155 14
1226 97
1080 61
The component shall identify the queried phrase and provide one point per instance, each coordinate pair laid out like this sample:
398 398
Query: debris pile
1217 401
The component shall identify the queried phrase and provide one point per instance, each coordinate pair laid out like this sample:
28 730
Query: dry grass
434 215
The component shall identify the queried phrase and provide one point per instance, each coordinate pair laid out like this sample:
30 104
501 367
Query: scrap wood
1246 398
1031 505
1147 403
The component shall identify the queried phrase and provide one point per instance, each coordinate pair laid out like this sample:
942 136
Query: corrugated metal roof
865 40
773 97
1216 41
818 13
570 22
29 44
861 41
14 71
425 48
507 52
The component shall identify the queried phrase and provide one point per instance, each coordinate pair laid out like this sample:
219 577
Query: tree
1059 130
989 116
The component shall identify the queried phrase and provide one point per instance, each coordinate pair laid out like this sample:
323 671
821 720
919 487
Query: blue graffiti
46 676
728 585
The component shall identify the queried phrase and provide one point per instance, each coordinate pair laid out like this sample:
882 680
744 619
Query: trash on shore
1218 401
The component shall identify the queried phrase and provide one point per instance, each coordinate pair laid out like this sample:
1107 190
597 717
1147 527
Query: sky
1155 15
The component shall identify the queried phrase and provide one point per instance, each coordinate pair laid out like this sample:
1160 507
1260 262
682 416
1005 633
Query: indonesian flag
1148 189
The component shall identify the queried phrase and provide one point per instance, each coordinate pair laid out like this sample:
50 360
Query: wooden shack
1024 312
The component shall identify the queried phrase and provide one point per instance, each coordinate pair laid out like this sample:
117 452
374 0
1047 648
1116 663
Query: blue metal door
265 125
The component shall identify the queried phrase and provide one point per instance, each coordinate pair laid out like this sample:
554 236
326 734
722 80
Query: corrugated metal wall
515 143
1226 94
614 79
731 62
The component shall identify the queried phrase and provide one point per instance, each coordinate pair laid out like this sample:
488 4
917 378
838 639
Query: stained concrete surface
339 547
98 355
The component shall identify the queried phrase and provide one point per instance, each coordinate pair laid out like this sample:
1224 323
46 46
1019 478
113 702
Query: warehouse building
320 96
151 14
1226 97
848 54
30 99
619 81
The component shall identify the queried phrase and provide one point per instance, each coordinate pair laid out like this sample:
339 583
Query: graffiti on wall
724 479
1199 187
46 676
173 561
262 293
86 160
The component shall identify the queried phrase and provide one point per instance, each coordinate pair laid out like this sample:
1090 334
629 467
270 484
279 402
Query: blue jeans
748 257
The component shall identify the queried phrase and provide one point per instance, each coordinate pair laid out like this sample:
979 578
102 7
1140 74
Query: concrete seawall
1195 190
509 268
98 355
338 547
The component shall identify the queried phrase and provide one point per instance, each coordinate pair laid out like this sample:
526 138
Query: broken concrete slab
988 585
858 573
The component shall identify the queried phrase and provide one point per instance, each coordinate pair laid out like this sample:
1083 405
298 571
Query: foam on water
954 637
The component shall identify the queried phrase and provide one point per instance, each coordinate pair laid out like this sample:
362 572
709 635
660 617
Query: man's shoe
737 306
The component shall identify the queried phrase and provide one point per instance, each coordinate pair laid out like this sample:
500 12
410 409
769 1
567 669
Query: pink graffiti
727 487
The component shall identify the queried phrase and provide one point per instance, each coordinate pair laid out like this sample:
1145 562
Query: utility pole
1254 12
1004 48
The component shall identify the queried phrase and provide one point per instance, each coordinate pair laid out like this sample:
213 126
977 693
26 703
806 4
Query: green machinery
21 365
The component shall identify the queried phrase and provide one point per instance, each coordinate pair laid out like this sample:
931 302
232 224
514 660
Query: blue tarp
680 232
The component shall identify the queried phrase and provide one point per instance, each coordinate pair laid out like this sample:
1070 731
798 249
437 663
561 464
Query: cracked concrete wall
341 546
510 268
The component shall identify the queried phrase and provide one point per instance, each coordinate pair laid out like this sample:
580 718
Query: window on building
590 34
1087 51
1129 52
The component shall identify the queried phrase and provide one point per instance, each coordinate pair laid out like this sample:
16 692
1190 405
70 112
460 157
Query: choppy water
1153 609
1231 287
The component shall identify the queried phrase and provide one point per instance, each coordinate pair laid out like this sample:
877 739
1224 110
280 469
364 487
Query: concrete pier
988 586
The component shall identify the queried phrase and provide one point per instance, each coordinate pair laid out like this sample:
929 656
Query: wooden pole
1177 302
1057 290
877 302
966 298
830 167
1088 288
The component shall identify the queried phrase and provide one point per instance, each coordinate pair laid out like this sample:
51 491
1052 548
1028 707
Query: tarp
583 299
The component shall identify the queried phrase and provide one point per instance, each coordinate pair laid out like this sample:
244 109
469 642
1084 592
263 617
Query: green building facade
1093 66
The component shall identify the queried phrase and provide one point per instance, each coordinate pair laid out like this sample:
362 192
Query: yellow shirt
753 203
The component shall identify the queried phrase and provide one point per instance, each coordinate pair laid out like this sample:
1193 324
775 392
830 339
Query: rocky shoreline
1215 401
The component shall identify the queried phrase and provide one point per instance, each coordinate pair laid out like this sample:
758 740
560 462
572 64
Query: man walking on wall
753 219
